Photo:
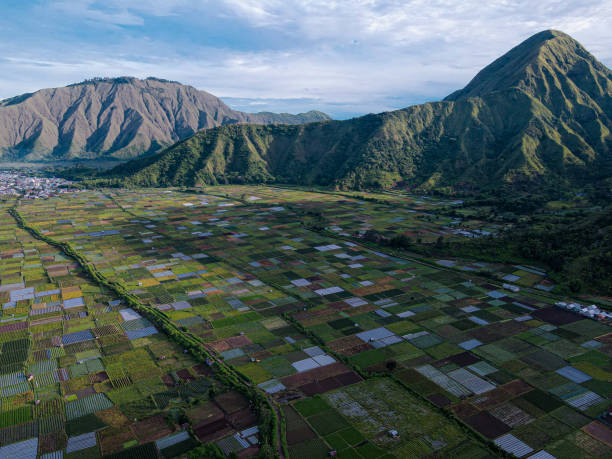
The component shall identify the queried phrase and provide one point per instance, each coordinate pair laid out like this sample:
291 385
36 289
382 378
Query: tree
400 241
575 285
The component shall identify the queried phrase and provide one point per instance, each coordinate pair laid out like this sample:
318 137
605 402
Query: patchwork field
83 376
361 352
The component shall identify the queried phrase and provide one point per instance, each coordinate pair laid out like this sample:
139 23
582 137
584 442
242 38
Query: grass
350 435
370 450
311 406
84 424
255 372
542 400
309 449
336 441
327 422
15 416
368 358
378 405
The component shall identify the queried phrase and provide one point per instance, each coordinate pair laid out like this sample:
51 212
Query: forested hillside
538 116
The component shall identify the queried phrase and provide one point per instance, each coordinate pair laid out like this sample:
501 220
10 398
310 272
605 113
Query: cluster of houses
32 187
475 233
591 311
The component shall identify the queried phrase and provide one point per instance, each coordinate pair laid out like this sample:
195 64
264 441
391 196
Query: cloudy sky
343 57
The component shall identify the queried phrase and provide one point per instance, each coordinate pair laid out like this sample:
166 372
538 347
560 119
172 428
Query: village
23 183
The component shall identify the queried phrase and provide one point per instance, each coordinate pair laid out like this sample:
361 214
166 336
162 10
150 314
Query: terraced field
348 341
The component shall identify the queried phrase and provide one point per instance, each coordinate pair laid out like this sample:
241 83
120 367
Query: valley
284 321
181 279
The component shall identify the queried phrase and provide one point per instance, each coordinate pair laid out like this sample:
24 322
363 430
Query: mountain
115 118
539 115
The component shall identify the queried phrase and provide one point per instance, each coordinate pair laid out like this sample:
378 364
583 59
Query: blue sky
343 57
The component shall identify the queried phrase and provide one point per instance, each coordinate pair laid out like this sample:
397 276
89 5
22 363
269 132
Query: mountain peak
123 80
542 60
119 117
548 34
539 116
111 80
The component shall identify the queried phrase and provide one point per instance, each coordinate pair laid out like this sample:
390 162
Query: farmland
346 338
84 375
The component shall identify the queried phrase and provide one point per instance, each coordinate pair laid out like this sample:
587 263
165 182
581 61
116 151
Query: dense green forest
579 253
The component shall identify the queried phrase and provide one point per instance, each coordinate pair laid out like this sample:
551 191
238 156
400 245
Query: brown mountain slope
115 118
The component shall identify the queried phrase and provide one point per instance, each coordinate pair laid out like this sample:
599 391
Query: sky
345 58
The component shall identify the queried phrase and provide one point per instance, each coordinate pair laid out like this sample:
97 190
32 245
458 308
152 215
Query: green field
346 338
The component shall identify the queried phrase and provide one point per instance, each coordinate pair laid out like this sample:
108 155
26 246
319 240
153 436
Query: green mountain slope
118 118
540 114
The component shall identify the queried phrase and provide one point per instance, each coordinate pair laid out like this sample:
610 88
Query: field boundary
267 414
492 447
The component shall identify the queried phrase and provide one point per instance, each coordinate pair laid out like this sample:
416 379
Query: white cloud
360 55
412 21
87 10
